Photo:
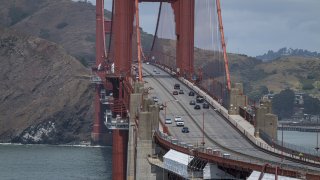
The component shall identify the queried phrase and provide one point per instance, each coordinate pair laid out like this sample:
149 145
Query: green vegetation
61 25
16 14
257 94
283 103
44 33
92 38
307 86
311 105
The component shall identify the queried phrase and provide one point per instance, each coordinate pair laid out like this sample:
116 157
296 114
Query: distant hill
285 52
67 23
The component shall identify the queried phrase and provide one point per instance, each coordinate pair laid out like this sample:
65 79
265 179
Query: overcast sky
253 27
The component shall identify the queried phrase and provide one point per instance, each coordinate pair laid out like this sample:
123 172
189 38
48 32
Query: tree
283 103
311 105
264 90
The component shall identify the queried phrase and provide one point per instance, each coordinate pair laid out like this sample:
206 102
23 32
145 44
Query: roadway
218 132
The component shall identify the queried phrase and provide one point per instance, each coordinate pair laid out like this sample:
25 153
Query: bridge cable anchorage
138 41
223 44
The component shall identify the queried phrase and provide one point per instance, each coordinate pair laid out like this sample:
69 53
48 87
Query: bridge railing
213 156
294 150
220 109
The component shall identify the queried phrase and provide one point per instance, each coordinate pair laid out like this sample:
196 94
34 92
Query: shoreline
62 145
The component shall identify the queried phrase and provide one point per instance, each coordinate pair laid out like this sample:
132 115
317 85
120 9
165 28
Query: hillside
45 95
70 24
65 22
286 52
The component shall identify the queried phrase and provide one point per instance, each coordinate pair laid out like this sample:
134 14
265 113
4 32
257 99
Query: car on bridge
155 99
178 118
199 99
192 102
168 121
175 93
197 107
185 130
180 123
176 86
205 105
181 91
191 93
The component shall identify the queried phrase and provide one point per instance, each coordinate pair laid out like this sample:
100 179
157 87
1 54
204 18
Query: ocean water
55 162
304 139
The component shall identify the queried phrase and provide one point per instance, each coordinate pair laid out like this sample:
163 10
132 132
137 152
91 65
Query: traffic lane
219 129
247 147
174 109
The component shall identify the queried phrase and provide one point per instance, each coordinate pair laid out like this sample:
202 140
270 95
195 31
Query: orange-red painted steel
119 154
100 33
138 41
107 26
100 55
223 43
123 26
184 18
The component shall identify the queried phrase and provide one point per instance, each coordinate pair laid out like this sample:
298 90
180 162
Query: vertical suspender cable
138 41
156 31
226 63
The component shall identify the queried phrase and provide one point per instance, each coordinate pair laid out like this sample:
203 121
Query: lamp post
203 130
317 146
165 107
282 144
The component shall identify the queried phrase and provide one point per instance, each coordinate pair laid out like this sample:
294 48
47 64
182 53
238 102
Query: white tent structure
177 162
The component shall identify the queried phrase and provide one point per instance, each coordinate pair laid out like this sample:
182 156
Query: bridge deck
218 132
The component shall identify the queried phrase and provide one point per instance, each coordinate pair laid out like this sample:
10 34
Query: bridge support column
123 28
265 120
148 120
135 105
119 154
237 99
184 17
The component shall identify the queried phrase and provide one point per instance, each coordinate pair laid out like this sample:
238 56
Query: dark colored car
199 99
181 91
197 107
175 93
192 102
205 106
177 86
185 130
191 93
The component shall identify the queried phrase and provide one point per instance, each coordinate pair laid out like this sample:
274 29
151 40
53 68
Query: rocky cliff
45 93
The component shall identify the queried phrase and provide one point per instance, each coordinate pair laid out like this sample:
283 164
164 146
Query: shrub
16 14
61 25
307 86
44 33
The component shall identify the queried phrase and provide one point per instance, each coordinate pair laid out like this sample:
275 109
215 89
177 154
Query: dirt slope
44 92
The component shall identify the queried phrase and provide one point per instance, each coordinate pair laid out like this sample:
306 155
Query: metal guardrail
213 156
293 150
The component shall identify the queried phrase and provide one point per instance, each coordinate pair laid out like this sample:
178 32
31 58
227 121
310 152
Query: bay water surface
55 162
